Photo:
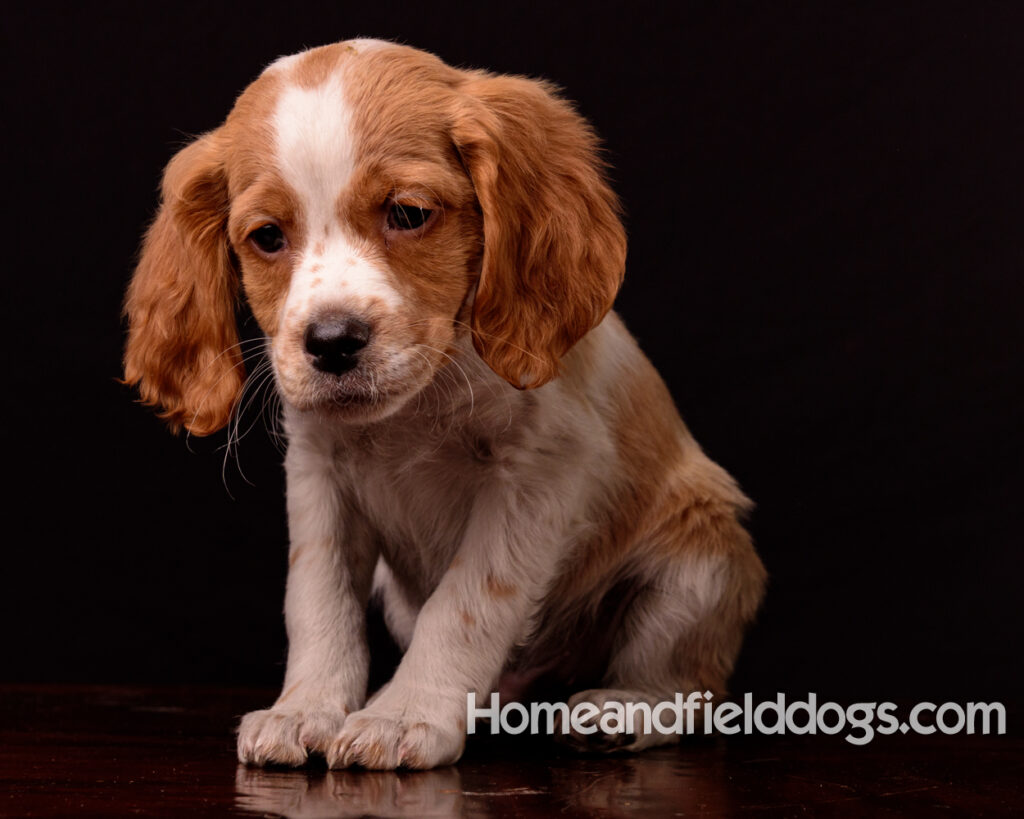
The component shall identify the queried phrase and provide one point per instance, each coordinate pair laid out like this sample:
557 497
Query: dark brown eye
269 238
407 217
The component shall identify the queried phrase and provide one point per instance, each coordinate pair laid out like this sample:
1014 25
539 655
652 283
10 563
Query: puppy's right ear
182 349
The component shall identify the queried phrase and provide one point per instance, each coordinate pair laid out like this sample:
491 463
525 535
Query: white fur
414 484
315 149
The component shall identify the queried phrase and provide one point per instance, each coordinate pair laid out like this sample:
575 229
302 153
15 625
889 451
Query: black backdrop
825 208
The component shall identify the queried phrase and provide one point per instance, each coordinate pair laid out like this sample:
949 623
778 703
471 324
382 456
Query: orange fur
182 343
555 248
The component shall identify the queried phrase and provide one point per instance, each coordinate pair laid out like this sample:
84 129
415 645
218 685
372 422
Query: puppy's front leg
330 571
463 635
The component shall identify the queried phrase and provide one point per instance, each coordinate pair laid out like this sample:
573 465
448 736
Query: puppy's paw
384 738
286 737
610 725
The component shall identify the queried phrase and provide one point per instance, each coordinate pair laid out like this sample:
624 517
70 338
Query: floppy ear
554 246
182 348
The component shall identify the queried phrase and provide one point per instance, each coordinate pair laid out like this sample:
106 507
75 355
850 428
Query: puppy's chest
417 495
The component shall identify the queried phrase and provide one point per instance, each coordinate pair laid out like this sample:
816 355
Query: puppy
432 254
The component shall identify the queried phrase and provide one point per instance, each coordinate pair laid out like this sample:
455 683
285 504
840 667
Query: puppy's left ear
554 245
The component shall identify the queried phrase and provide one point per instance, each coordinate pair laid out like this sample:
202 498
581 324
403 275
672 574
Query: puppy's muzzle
335 342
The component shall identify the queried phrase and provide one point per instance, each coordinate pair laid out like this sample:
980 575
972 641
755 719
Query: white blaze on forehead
315 147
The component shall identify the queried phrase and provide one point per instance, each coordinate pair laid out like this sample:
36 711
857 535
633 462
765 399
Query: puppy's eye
407 217
269 238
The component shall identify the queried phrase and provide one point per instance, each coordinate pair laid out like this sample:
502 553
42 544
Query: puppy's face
355 224
374 204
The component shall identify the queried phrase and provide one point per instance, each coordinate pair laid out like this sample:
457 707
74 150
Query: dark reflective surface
107 751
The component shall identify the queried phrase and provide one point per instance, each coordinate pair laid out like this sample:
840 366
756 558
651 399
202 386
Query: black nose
335 342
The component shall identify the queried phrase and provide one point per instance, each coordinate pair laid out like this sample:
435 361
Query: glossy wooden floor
106 751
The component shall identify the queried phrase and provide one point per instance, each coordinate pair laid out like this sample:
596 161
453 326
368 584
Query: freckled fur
504 469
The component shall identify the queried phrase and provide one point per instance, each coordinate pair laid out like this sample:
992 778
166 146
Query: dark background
825 208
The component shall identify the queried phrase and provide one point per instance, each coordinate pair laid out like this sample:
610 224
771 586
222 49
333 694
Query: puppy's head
375 205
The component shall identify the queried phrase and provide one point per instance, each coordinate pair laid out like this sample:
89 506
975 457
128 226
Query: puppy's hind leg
682 632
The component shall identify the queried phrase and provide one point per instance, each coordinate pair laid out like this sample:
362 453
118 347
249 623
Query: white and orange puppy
432 254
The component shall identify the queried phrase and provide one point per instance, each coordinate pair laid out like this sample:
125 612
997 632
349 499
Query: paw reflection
308 794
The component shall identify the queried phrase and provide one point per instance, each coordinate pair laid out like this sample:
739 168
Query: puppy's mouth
362 395
358 388
342 396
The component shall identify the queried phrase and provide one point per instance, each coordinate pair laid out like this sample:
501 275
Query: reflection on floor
109 751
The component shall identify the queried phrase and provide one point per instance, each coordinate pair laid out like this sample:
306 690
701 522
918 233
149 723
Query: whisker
250 390
469 384
240 346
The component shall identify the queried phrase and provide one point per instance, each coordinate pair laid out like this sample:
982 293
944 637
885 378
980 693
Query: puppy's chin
349 399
